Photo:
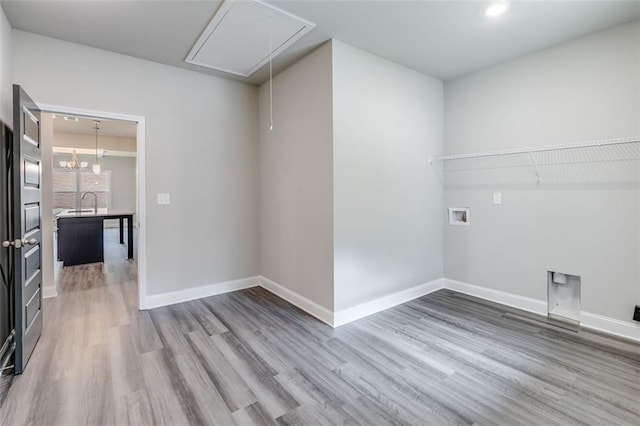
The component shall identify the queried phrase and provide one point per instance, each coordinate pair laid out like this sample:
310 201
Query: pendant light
96 165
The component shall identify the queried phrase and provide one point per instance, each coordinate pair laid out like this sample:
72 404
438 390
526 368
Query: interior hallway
250 358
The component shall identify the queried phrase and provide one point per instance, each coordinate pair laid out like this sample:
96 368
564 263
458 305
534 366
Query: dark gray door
26 217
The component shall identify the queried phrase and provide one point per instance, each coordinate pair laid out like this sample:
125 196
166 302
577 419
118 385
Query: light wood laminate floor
250 358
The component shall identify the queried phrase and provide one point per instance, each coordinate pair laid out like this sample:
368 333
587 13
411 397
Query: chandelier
74 164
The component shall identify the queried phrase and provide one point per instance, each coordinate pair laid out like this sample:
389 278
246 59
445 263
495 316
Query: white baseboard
49 291
346 316
608 325
521 302
312 308
164 299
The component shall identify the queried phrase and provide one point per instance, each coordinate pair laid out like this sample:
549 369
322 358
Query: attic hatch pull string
270 73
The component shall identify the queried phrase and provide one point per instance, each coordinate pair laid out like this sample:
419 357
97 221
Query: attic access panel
238 38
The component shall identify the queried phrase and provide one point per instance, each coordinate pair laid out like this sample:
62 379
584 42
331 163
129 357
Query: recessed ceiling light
70 118
496 9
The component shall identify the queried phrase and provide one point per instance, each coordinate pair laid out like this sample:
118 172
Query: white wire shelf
539 158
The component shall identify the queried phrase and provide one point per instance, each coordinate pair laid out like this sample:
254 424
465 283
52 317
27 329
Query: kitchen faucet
95 198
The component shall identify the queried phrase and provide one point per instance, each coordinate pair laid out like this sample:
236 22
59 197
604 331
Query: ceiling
444 39
85 126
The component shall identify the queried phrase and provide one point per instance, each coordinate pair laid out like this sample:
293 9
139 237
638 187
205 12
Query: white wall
200 147
583 90
387 199
46 152
296 198
6 91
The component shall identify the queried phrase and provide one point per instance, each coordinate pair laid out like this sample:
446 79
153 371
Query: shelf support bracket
535 168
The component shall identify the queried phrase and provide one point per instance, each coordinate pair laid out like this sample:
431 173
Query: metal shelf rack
530 151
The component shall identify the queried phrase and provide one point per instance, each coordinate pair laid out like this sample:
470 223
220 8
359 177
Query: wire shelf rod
544 148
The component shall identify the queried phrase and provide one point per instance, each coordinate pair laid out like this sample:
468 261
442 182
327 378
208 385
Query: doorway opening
92 194
93 216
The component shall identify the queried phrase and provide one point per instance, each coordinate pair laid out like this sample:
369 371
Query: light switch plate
164 199
497 198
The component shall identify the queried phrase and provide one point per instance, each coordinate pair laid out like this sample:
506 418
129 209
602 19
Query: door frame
141 177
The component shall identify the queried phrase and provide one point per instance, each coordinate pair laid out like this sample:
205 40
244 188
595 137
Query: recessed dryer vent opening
564 297
459 216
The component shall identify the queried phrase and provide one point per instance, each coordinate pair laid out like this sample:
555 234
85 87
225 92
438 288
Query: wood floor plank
253 415
145 333
135 409
97 391
126 373
273 397
226 379
165 402
207 319
209 406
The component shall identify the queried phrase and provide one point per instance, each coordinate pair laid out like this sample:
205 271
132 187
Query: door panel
26 226
33 308
32 217
31 264
31 125
32 173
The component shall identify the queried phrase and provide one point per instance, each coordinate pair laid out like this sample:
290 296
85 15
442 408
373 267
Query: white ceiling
85 126
444 39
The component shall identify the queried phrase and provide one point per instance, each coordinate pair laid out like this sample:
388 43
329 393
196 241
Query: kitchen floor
115 256
251 358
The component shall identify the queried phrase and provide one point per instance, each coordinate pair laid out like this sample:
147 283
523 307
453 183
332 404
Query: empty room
319 212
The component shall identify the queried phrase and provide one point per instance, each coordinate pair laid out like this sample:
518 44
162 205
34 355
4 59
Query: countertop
104 213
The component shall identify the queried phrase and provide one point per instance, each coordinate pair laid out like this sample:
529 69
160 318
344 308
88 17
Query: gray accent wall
388 120
582 220
201 137
296 183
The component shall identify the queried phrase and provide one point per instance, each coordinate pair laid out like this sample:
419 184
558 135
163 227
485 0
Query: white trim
362 310
49 291
141 177
320 312
608 325
521 302
179 296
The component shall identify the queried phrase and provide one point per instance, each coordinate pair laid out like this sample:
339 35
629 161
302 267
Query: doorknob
29 241
19 243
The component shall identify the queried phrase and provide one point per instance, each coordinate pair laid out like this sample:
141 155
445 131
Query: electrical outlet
164 199
497 198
